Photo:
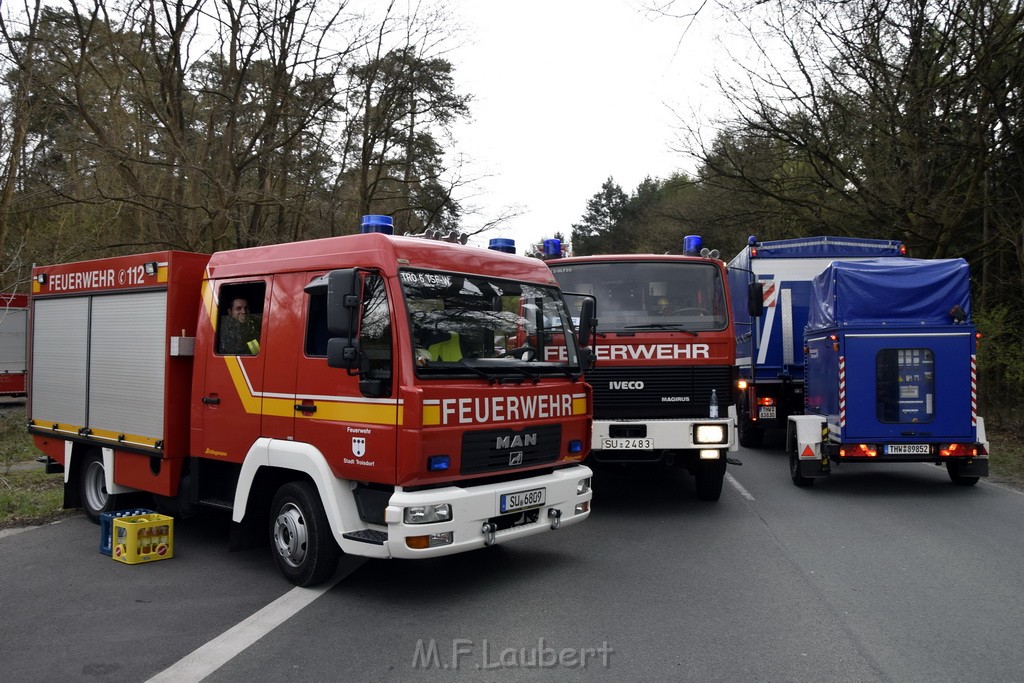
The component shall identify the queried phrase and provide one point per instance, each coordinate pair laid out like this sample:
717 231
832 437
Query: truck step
219 503
367 536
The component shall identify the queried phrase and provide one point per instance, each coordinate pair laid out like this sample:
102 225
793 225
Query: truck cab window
316 325
375 332
375 341
486 326
240 318
653 295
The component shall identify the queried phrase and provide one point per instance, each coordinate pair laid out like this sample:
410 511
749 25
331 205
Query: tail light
861 450
959 449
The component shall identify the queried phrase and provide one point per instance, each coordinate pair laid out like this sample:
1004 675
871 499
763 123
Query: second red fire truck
665 353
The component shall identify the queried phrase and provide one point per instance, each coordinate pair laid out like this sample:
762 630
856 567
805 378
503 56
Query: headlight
428 514
582 486
709 434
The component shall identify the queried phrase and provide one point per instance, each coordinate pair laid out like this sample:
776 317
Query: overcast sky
566 94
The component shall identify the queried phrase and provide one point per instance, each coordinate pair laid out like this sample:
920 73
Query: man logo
358 446
517 440
515 458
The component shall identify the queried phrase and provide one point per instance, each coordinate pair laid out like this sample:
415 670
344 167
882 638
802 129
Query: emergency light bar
442 236
374 223
505 246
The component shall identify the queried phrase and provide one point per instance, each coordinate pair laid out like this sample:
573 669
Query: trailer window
240 307
905 385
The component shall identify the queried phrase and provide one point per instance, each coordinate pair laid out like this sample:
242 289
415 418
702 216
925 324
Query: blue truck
890 370
770 288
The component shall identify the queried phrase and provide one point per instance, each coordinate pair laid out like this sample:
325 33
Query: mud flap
974 467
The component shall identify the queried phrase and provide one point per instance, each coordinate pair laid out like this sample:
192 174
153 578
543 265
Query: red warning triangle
808 453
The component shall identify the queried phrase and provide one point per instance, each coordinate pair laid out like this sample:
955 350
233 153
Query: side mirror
588 321
343 352
588 325
343 299
755 299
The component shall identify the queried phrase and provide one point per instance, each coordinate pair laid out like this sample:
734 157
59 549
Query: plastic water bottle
713 409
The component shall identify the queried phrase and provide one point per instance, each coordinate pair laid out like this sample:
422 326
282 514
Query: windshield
631 296
482 325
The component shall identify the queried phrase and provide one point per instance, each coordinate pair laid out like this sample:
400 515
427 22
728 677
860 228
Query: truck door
899 386
233 392
354 427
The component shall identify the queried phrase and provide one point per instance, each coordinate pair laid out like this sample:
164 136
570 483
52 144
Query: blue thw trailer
890 368
770 288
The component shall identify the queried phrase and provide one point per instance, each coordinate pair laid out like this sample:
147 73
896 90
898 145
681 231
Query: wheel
794 470
709 478
92 487
301 539
954 469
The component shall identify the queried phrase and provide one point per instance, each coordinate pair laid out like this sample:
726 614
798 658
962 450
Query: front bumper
475 506
662 434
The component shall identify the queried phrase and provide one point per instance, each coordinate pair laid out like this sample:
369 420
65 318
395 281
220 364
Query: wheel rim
290 537
96 495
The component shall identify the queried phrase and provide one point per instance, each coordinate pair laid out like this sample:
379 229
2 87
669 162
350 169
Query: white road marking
205 660
738 486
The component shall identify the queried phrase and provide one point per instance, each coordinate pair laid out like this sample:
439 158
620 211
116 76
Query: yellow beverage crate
143 538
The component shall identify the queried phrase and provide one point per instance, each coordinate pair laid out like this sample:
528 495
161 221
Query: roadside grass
29 496
1006 460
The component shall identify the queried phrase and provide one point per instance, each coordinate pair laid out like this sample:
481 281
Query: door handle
305 409
211 401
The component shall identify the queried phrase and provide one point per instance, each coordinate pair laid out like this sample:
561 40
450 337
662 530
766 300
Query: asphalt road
880 573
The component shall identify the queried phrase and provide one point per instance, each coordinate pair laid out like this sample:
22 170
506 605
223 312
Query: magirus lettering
626 385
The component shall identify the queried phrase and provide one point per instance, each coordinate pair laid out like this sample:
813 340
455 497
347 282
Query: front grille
495 450
659 392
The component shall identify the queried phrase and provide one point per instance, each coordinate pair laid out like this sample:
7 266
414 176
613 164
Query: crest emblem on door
358 446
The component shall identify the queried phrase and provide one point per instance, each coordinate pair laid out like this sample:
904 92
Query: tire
300 537
92 487
954 470
794 470
708 480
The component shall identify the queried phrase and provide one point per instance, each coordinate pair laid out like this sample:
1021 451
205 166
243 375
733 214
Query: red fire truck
13 335
665 353
360 402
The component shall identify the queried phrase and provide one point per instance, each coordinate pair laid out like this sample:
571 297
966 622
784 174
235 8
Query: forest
214 124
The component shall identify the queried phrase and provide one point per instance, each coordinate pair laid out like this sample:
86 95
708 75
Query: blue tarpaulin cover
890 291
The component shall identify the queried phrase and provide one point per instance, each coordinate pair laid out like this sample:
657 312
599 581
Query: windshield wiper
674 327
532 375
491 379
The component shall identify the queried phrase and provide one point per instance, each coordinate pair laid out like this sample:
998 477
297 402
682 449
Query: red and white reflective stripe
770 294
842 391
974 390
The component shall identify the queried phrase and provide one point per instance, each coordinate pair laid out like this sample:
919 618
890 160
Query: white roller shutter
13 327
126 370
59 360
